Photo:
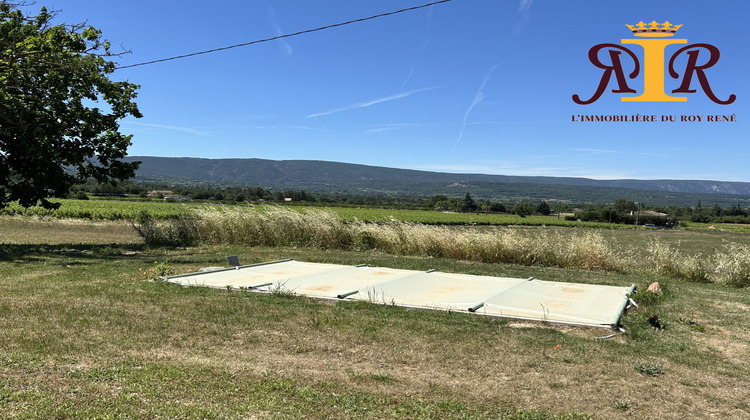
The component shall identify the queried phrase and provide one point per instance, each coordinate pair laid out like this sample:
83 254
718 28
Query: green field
86 333
129 210
103 210
449 218
98 209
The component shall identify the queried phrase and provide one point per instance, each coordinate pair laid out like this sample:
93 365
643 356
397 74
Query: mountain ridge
328 176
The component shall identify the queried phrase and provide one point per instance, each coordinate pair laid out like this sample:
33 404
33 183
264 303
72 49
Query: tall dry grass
277 226
663 260
733 266
730 266
586 250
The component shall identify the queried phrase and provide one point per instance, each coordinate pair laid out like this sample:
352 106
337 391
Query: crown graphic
654 29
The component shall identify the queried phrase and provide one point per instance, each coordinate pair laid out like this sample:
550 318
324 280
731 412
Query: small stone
655 288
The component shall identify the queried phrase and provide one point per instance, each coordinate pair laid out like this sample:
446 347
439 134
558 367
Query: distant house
287 198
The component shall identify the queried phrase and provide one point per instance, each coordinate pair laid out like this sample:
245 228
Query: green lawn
86 334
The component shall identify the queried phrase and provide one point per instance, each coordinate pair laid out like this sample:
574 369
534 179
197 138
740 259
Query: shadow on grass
37 252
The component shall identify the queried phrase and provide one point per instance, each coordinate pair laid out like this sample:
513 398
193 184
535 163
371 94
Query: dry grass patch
30 230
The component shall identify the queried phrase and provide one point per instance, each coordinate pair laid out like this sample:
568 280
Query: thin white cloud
300 127
171 127
519 170
372 102
286 48
413 66
403 86
524 5
524 11
478 98
399 126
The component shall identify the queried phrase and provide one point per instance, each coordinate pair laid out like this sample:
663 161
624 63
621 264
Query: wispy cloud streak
398 126
286 48
510 169
171 127
403 86
524 8
593 151
478 98
373 102
413 66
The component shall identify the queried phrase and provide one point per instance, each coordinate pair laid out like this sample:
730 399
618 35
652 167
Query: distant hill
347 178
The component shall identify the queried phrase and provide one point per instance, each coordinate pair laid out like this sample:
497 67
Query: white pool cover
532 299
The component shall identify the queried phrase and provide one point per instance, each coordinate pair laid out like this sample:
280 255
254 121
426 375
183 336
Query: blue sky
480 86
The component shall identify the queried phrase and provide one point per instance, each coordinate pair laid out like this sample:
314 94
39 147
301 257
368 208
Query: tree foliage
523 209
543 208
59 110
468 204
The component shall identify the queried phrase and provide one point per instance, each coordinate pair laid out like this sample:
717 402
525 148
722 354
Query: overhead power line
306 31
